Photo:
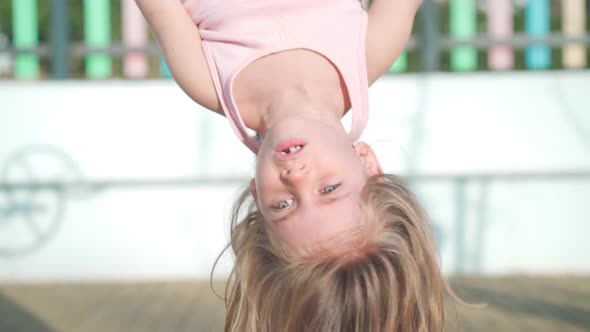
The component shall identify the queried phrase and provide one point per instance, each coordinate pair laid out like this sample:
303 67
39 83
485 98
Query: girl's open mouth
290 148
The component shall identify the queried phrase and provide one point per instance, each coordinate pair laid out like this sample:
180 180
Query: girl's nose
294 172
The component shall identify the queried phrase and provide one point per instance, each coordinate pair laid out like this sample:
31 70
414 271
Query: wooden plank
543 304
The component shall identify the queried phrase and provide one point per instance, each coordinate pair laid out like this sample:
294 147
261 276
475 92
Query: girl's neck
268 88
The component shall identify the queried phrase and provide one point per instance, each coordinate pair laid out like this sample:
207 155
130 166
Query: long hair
387 278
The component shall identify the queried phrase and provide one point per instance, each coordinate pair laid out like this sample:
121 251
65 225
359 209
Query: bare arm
390 25
181 43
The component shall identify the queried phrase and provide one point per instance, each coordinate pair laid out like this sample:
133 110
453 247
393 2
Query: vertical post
463 25
365 4
97 34
480 232
26 36
537 16
573 23
500 26
164 69
460 225
60 39
429 39
401 64
135 64
5 58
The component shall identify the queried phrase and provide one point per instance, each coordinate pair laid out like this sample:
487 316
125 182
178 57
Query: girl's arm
181 43
390 25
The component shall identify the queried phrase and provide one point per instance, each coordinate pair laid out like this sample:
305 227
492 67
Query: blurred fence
467 35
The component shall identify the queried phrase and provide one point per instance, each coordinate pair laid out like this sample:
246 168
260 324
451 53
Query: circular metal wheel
31 216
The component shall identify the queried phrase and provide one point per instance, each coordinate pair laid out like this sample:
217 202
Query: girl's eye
284 204
329 189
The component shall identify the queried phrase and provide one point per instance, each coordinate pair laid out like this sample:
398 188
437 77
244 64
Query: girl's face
309 179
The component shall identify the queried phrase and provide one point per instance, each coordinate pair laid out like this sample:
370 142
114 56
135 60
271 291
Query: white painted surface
418 124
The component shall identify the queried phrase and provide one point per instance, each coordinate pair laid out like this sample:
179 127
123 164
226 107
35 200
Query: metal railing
114 183
464 257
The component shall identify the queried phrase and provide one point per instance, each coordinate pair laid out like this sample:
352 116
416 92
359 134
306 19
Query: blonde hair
389 280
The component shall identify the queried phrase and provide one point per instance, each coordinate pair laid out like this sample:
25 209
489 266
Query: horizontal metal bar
518 41
80 50
502 176
92 185
42 50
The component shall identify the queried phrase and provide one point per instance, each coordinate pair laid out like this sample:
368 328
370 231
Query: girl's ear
368 159
253 191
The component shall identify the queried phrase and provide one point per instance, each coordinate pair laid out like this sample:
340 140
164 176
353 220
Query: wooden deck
514 304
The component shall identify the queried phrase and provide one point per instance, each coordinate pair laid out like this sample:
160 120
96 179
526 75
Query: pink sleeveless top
237 32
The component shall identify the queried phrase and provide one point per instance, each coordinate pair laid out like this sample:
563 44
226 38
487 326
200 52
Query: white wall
418 124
